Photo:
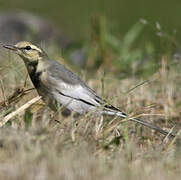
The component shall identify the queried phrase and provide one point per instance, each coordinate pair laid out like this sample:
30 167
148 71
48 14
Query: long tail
144 123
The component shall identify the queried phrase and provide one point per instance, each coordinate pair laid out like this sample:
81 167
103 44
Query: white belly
73 104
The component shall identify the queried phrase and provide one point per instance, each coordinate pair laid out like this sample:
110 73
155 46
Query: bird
56 83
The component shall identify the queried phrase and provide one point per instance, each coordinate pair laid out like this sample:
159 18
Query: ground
35 146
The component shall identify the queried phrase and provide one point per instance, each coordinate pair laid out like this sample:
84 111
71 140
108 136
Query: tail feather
144 123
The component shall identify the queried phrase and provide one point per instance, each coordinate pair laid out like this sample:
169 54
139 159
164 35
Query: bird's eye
27 47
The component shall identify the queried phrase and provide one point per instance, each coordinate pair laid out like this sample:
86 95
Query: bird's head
27 51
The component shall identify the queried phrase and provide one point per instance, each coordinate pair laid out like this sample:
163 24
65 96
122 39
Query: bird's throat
34 75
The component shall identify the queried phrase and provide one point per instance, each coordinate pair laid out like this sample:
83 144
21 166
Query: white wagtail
57 83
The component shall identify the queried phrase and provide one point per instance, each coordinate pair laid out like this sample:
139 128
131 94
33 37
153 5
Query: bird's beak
11 47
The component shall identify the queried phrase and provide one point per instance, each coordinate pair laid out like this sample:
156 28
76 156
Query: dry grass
34 146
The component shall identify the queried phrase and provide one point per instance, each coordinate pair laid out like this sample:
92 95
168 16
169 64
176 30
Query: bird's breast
35 78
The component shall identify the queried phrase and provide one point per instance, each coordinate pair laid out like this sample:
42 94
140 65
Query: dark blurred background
122 35
74 16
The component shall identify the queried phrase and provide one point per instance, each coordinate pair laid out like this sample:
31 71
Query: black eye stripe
27 48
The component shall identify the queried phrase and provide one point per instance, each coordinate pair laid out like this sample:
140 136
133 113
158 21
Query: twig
22 108
17 94
140 84
3 91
